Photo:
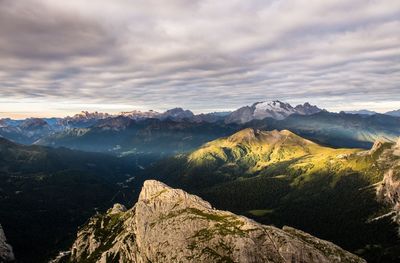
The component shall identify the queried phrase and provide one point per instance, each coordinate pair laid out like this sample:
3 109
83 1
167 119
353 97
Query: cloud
204 55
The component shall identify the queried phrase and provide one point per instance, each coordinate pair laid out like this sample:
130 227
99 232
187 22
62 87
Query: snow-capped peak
137 114
275 109
91 115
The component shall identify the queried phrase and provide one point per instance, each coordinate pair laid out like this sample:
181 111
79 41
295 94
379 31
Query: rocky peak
6 252
241 115
116 209
136 114
162 195
376 146
170 225
177 114
275 109
33 123
116 124
270 109
307 109
91 115
389 192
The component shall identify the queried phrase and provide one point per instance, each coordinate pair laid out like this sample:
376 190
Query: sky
60 57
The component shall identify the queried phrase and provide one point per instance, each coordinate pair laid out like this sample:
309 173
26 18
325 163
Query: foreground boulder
6 252
170 225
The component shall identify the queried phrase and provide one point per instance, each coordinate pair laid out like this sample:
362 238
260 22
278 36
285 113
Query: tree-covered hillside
280 178
45 194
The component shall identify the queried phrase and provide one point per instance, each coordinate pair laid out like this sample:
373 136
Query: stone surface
388 191
170 225
6 252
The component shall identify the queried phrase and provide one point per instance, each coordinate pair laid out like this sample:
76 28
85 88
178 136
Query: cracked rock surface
170 225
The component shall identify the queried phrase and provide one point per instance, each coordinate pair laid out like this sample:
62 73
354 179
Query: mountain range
178 130
31 130
332 175
395 113
124 136
127 137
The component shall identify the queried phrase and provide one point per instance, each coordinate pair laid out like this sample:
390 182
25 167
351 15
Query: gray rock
6 252
389 192
170 225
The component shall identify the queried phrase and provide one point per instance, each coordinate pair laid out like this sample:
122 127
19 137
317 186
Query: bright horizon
72 109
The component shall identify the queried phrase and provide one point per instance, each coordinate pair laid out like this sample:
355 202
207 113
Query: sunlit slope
250 153
337 129
280 178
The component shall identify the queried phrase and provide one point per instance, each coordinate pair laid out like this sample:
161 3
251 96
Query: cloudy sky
59 57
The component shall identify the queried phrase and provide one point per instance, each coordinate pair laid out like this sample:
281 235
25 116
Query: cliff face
6 253
170 225
388 191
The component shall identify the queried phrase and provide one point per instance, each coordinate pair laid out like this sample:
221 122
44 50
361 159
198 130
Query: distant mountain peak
307 109
137 114
273 109
91 115
177 114
395 113
33 123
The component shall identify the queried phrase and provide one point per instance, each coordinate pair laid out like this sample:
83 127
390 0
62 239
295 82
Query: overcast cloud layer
205 55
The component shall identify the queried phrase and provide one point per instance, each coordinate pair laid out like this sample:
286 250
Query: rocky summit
170 225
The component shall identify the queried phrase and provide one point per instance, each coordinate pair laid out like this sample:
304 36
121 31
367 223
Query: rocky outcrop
6 252
389 192
170 225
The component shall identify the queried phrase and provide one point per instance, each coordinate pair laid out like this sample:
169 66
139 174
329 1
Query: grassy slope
318 189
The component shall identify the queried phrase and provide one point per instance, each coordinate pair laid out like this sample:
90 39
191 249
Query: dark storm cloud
203 54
